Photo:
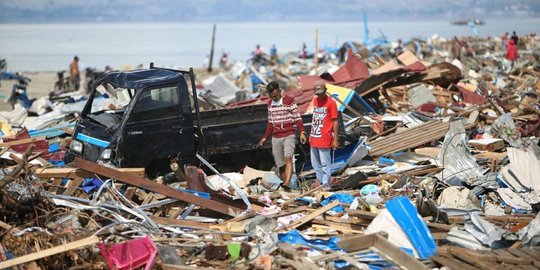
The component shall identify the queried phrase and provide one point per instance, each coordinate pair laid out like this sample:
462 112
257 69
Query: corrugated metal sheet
414 227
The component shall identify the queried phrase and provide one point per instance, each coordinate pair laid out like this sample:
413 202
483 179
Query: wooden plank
408 58
130 191
387 250
289 212
486 145
313 215
395 254
524 256
439 226
300 261
72 186
180 222
354 221
23 141
452 263
532 254
8 227
49 252
341 227
465 256
506 218
361 214
378 59
74 172
307 193
55 185
5 149
156 187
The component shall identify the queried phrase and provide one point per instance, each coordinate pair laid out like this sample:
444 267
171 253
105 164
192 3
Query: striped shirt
282 116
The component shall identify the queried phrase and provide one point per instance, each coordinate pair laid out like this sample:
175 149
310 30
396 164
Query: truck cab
149 120
154 120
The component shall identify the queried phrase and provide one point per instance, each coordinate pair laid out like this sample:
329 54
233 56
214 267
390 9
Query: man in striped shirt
282 117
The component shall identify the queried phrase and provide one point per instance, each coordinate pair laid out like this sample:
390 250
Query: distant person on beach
399 48
515 38
456 48
273 54
74 74
258 54
223 60
304 51
511 52
206 61
504 41
283 116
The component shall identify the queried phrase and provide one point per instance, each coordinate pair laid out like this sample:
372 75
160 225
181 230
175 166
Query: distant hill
51 11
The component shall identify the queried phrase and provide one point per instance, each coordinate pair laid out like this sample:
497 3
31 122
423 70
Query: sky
65 11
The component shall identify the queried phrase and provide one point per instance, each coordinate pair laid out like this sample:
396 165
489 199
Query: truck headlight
76 146
106 154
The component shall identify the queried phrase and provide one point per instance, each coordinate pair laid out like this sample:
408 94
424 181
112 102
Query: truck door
157 129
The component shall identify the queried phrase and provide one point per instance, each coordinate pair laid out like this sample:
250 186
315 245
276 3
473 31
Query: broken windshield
111 99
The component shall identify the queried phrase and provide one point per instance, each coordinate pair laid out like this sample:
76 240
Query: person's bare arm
335 127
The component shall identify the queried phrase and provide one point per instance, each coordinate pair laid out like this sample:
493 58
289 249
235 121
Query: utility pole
212 49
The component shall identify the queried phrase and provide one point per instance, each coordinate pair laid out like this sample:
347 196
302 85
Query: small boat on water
466 22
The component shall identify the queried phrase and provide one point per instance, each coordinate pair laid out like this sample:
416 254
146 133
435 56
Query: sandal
285 188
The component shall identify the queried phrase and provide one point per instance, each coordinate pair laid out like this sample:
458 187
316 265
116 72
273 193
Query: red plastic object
131 254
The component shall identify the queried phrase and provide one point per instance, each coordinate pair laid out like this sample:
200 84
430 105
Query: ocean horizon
51 47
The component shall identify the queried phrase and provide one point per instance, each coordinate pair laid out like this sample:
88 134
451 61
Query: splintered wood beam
307 193
74 172
384 248
313 215
49 252
22 141
156 187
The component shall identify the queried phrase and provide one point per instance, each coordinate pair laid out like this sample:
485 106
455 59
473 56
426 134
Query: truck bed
236 129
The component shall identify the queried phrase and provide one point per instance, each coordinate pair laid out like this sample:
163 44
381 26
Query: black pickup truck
158 121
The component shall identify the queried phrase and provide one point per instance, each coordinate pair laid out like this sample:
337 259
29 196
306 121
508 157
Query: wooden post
316 49
49 252
212 49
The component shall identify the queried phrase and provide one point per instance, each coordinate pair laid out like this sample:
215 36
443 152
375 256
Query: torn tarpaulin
342 198
296 238
91 184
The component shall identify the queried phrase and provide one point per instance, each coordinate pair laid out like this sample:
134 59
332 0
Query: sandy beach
43 82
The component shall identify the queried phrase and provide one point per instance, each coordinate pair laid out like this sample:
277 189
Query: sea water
51 47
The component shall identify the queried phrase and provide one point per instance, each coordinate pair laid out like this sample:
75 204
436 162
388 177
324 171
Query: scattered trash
458 138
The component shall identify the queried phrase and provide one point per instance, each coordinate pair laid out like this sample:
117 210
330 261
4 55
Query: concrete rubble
439 168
